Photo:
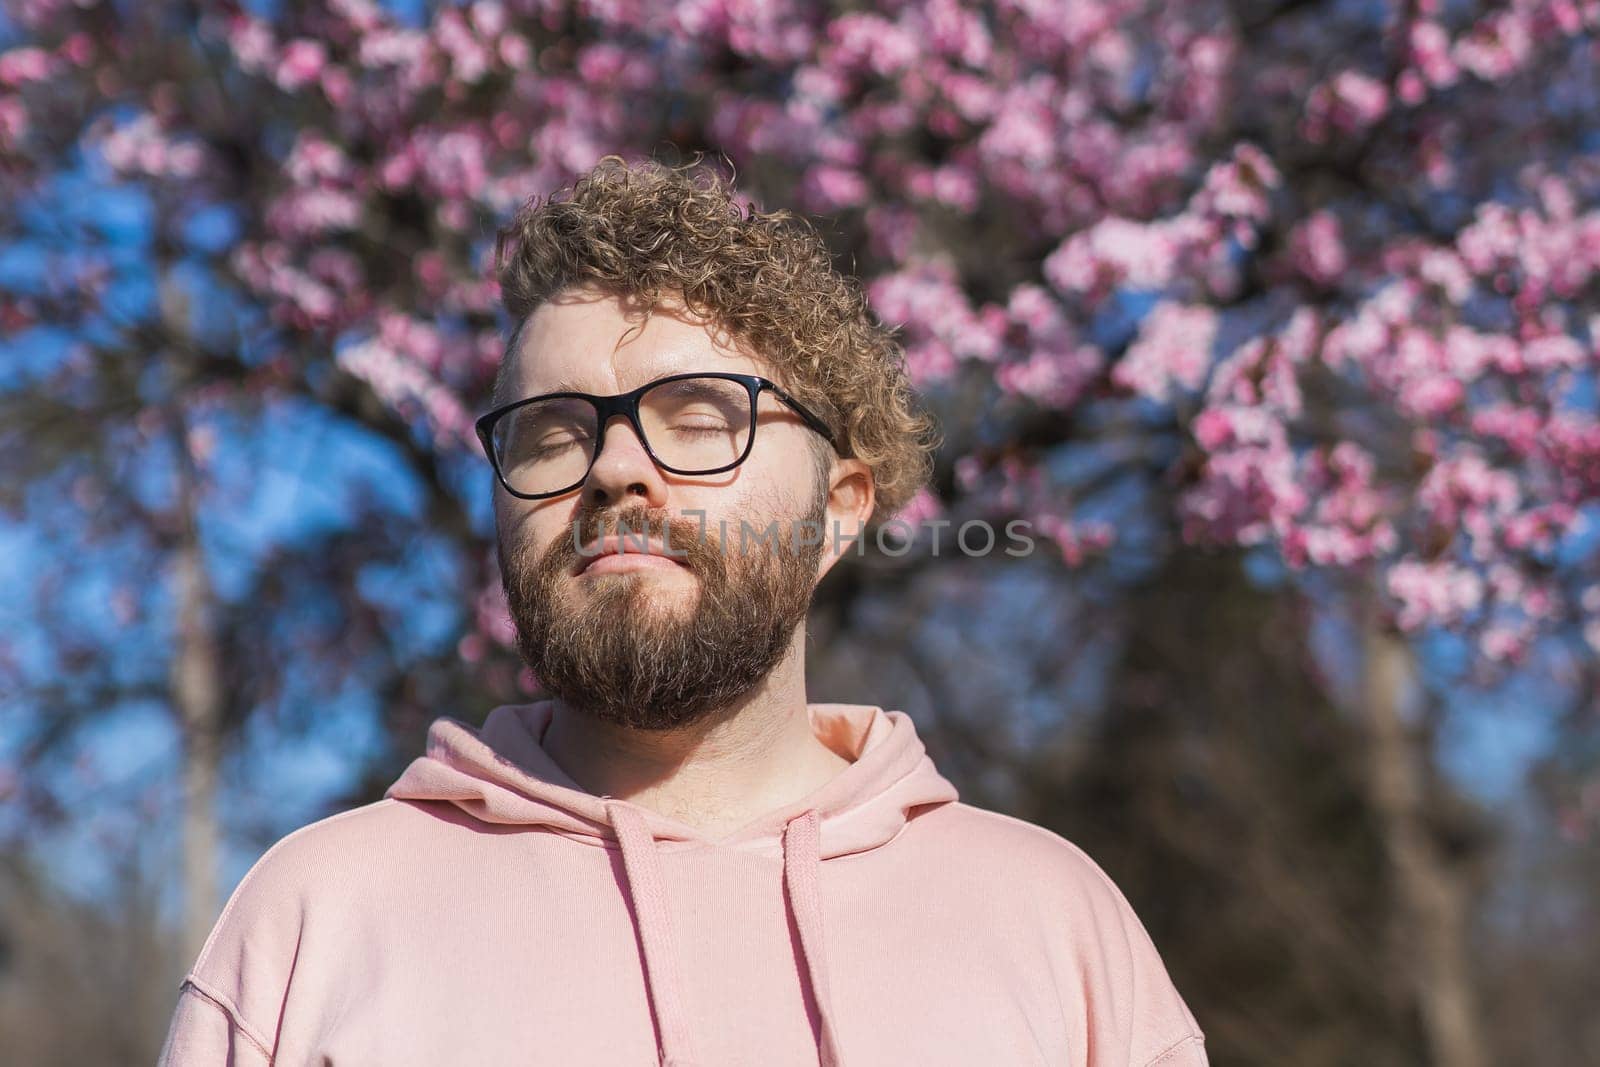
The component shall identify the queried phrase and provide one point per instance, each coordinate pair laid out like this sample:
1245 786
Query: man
675 859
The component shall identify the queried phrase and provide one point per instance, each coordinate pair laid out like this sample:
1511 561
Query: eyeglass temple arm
800 409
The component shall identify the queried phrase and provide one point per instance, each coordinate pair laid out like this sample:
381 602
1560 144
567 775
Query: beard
620 657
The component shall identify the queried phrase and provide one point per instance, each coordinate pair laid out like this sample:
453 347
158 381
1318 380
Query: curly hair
654 233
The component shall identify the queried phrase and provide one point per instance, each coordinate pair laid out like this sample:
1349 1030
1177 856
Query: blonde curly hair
656 234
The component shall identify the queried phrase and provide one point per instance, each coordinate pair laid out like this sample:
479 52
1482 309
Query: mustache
685 538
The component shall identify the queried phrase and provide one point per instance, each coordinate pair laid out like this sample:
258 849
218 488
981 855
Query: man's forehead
592 346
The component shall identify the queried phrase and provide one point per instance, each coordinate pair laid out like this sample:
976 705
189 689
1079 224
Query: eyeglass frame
627 405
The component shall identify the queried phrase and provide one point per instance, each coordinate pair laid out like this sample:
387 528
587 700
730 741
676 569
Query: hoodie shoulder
1040 856
297 889
1046 881
318 859
318 863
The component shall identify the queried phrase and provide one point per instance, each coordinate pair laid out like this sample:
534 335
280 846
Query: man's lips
621 552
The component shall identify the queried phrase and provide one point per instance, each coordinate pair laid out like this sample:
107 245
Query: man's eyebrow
567 386
563 386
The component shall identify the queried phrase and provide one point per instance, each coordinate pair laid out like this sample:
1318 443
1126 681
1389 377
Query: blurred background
1279 322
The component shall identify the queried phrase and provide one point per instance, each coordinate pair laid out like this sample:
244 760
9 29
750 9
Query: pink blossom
1540 528
1436 593
431 271
1024 130
453 164
142 147
1345 521
392 47
1518 427
469 57
13 121
1173 348
827 188
1050 378
399 169
1114 250
601 62
337 267
1572 441
976 99
362 15
337 85
414 338
1436 158
301 64
1258 373
1301 337
951 184
402 383
302 300
1495 48
756 126
18 66
1443 268
309 212
1420 377
78 49
920 508
1049 364
488 17
891 230
252 41
822 85
775 31
1247 490
954 30
1201 85
1316 248
1430 54
515 51
1076 540
1502 643
492 616
1472 353
1237 188
939 322
872 42
1347 104
1465 489
314 158
1556 351
1492 238
1213 428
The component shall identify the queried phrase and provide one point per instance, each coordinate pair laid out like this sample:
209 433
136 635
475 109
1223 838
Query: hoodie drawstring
801 868
639 865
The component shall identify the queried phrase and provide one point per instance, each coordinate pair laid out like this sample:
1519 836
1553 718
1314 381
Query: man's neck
715 775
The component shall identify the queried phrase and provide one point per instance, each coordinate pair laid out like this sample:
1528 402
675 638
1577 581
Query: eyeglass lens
693 425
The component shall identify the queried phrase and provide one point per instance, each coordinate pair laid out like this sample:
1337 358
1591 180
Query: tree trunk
197 696
1430 934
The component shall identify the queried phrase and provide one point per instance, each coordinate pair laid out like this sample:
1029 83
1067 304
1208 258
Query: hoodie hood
501 774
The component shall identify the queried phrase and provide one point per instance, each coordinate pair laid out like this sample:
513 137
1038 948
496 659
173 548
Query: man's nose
623 469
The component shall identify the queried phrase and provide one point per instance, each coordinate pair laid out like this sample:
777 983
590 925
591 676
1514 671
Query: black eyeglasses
695 423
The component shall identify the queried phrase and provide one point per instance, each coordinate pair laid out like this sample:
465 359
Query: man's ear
851 495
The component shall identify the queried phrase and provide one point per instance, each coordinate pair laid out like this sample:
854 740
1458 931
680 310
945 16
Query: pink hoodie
489 911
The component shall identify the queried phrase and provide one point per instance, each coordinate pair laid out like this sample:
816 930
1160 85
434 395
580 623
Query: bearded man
673 857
